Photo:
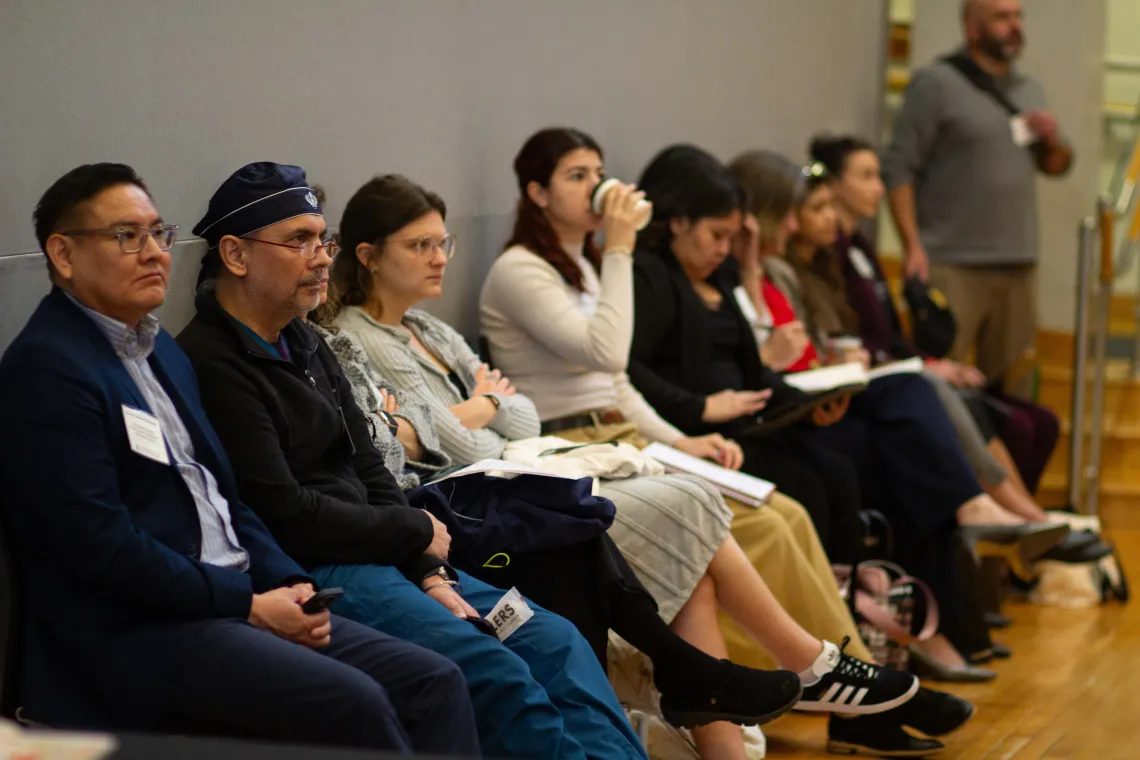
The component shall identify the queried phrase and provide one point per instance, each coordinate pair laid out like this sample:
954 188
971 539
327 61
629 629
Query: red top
782 313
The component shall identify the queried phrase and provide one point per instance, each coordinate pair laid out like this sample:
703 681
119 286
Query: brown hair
824 287
536 162
771 186
383 205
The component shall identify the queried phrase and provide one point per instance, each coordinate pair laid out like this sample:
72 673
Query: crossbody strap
973 73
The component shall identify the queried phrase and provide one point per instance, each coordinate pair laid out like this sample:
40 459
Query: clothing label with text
509 614
145 435
1022 134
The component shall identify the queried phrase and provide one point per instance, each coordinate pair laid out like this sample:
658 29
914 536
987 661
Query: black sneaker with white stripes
852 687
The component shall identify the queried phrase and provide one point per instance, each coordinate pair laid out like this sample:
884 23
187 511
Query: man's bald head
994 28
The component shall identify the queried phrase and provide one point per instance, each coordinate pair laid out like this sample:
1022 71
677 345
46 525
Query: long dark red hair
536 163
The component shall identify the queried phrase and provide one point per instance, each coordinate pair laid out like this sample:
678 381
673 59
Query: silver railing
1099 266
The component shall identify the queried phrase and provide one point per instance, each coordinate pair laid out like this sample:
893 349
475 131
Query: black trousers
578 582
823 481
911 468
366 689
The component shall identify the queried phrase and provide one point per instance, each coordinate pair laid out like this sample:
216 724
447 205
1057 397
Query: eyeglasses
132 238
308 249
428 245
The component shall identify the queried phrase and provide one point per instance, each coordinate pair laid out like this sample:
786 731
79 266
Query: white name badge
509 614
1022 135
145 435
862 265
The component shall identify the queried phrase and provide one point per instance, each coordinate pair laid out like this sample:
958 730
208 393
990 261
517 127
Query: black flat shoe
1078 548
996 620
996 652
877 736
934 713
926 666
744 696
1019 545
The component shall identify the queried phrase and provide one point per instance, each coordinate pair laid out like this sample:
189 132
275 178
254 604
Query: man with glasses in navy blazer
151 597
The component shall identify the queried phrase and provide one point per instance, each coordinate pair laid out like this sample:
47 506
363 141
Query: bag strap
975 75
864 603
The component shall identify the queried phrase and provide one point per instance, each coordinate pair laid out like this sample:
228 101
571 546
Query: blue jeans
539 694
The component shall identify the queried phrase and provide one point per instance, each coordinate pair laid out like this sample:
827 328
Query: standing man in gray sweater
961 173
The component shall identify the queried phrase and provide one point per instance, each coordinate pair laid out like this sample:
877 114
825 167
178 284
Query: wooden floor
1071 690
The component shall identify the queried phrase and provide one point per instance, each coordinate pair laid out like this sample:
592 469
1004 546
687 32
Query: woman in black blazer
695 360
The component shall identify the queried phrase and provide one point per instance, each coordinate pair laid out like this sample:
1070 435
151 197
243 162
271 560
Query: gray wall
444 91
1065 50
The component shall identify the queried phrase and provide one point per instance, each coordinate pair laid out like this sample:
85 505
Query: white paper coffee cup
841 343
644 208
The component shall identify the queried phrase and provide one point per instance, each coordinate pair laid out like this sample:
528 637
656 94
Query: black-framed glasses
308 249
428 245
132 237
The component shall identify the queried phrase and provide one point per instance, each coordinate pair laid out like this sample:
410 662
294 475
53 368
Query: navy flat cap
252 198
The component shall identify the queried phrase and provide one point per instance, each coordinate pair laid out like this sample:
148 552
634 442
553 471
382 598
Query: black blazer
669 358
302 449
107 542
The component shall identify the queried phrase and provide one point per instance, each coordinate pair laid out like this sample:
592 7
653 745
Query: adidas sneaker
848 686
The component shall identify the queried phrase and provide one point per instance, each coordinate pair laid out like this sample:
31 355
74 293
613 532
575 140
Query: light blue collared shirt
219 542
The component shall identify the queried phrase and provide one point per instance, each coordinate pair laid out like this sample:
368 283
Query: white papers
850 374
747 489
911 366
829 378
500 469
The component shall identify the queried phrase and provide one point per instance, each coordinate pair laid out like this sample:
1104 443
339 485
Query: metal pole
1085 236
1106 220
1135 358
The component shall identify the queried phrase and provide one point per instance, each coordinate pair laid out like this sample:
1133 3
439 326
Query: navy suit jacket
107 541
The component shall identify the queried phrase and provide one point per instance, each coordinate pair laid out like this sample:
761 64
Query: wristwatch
493 399
440 572
442 578
389 420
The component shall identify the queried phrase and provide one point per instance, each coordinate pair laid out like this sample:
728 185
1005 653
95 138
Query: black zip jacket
669 357
301 448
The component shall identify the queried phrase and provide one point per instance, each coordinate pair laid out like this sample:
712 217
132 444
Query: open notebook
736 485
850 375
497 468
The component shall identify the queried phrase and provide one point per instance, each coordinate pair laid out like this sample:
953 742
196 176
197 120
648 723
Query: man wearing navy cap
304 461
154 599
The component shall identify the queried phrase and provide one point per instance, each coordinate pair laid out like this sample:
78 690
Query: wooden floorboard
1070 692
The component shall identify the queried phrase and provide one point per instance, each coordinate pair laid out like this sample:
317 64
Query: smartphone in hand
322 600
